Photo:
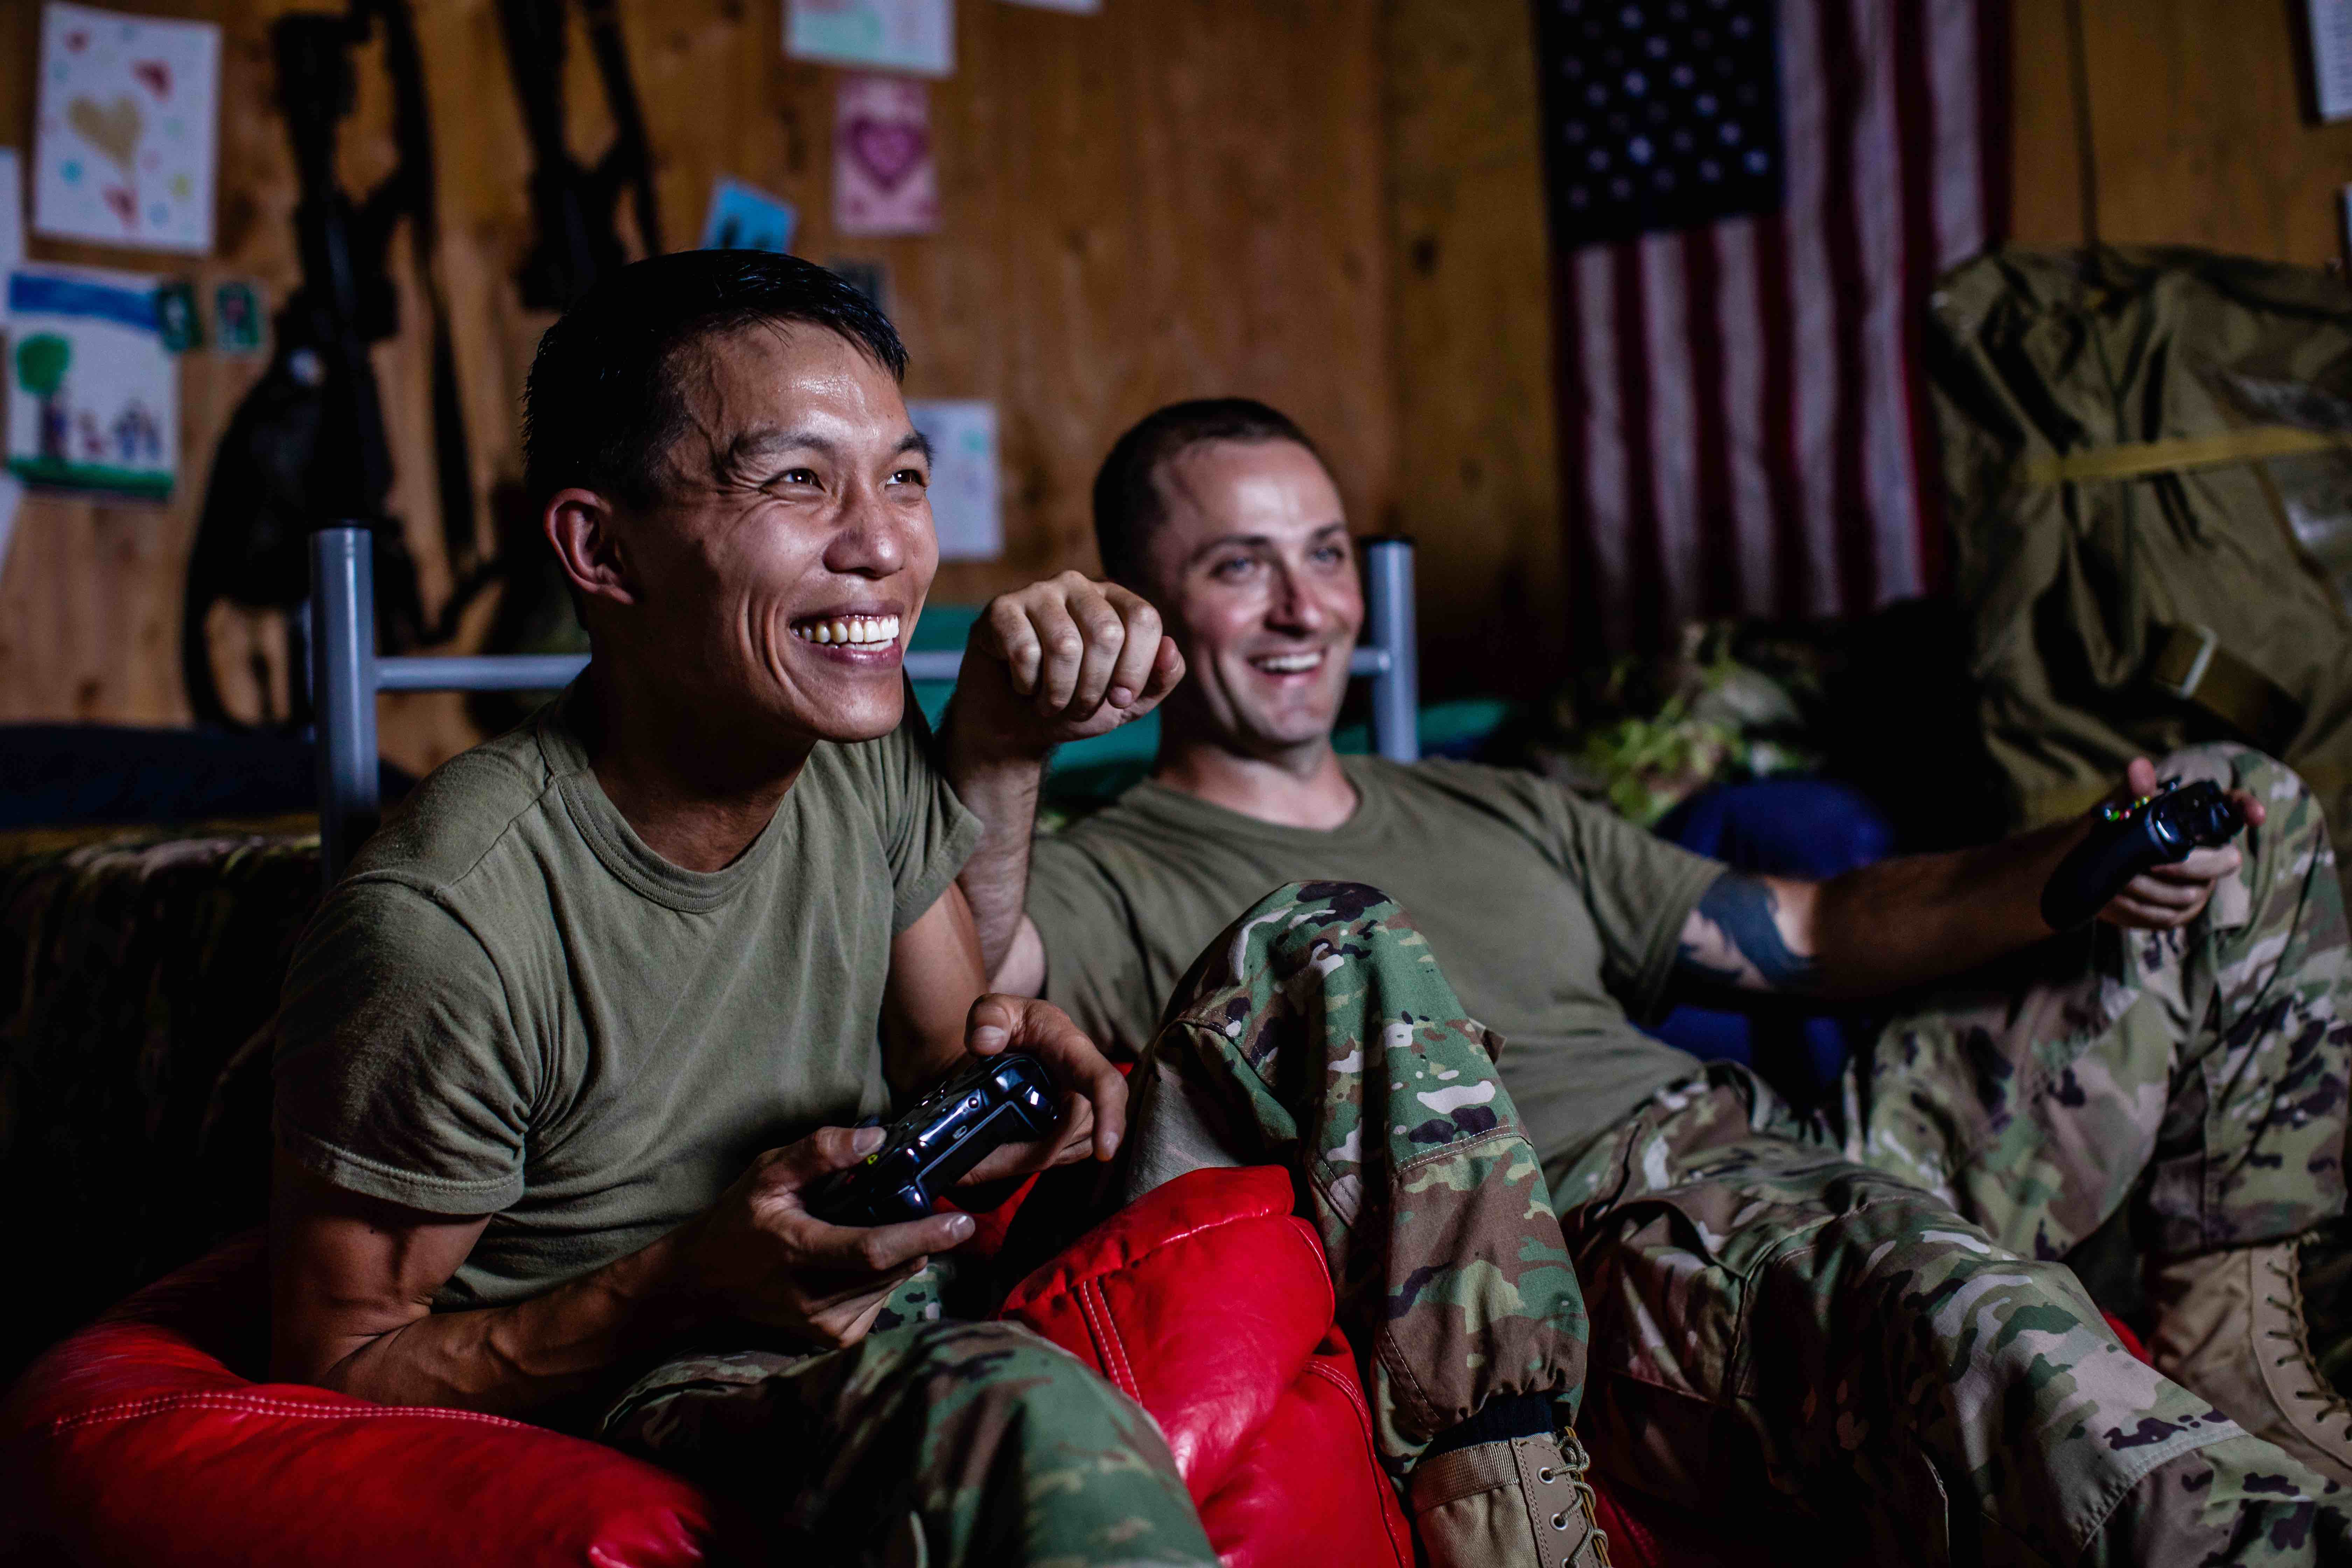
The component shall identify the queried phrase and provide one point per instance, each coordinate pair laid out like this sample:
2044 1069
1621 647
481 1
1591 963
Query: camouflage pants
1318 1033
1865 1311
930 1442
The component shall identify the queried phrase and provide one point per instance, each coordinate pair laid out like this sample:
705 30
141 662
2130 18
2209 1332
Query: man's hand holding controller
760 1255
2173 846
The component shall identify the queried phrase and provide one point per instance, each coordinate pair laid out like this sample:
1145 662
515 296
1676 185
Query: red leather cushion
133 1442
1317 1442
1208 1301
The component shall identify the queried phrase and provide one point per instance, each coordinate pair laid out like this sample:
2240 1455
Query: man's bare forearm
1001 790
508 1360
1921 918
352 1286
1878 929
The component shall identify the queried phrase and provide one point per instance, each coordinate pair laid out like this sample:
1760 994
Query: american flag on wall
1750 202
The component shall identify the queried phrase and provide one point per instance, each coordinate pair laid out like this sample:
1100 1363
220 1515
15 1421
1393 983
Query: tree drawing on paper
41 364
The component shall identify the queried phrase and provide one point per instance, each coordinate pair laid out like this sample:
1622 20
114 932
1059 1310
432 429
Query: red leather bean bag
1209 1303
133 1442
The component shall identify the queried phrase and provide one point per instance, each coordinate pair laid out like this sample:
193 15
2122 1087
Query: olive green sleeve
931 833
400 1072
1640 890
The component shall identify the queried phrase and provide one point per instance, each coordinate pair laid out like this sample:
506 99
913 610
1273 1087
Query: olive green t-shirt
1552 918
512 1006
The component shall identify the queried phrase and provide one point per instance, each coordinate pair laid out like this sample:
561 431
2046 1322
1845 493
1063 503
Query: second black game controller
2160 830
975 1111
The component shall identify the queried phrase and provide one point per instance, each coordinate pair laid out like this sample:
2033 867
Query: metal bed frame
346 674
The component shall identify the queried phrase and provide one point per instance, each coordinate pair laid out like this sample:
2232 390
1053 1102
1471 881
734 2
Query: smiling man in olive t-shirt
563 1053
1862 1313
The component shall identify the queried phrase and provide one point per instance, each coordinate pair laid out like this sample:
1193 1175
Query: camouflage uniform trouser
931 1442
1797 1306
1316 1032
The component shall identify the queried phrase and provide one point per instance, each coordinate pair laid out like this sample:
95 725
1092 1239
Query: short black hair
1128 503
604 403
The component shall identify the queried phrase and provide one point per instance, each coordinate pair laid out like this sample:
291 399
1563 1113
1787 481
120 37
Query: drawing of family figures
134 437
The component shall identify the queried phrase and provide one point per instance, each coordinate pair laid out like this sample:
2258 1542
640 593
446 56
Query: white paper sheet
965 500
916 35
2331 56
93 396
12 211
12 493
123 142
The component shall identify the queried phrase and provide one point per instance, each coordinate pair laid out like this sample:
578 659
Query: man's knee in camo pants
1318 1033
937 1442
2204 1070
1770 1318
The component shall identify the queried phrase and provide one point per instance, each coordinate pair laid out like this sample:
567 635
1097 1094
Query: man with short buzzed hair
1862 1314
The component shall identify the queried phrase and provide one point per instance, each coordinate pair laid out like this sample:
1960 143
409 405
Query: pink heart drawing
157 74
77 41
889 150
125 204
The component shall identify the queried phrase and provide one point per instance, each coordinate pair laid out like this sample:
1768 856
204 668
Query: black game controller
2159 829
977 1110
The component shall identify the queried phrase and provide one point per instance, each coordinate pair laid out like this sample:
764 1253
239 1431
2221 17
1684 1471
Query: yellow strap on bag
2190 661
2192 664
2134 460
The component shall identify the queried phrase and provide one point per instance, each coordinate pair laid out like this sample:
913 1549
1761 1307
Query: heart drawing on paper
155 74
887 150
113 131
125 204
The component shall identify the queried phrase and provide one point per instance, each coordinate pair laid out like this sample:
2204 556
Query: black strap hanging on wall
572 205
306 449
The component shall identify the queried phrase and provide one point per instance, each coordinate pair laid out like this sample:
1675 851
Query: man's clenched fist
1064 659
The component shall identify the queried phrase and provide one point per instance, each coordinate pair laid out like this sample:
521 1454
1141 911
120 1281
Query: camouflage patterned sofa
136 976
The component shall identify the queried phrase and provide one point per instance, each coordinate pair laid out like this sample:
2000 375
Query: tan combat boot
2229 1325
1524 1503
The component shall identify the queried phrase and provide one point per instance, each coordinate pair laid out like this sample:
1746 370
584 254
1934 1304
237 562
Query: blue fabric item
1808 827
56 775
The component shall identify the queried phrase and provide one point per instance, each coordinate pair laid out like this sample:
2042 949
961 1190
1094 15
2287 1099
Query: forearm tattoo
1734 938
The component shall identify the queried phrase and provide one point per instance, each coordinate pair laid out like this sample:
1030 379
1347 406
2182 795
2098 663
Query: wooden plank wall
1335 205
1477 475
2197 132
1173 198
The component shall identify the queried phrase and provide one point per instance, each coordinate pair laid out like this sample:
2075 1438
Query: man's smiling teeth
1288 663
857 631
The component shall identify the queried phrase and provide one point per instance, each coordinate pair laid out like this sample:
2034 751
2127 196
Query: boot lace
1595 1549
2332 1405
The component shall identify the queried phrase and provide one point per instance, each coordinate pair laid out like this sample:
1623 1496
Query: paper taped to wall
12 495
965 501
93 394
124 143
886 179
916 35
12 210
2331 56
745 217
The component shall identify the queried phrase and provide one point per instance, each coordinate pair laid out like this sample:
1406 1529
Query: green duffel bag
2148 460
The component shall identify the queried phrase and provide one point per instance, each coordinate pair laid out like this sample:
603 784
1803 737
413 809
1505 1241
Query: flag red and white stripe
1744 428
